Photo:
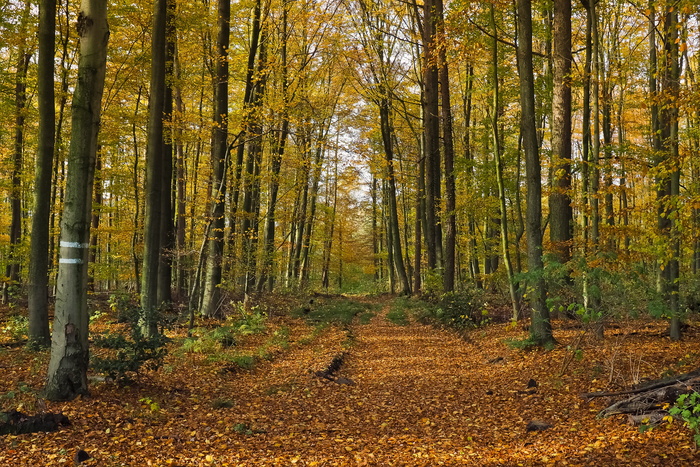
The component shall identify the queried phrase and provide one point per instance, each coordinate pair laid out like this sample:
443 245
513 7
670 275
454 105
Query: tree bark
39 335
213 274
448 278
561 212
154 169
431 125
12 281
495 109
540 326
67 371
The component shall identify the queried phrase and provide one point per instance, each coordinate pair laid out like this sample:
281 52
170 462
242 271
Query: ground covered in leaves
372 387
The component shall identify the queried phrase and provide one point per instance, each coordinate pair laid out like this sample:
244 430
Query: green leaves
687 407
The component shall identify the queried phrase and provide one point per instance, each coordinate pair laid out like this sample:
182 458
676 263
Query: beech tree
38 294
540 326
67 371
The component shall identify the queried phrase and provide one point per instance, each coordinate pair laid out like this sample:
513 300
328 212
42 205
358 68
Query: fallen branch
647 403
17 423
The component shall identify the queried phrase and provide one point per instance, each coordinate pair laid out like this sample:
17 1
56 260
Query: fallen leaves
421 396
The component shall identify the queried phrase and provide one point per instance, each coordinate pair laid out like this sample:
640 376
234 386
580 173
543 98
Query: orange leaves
423 397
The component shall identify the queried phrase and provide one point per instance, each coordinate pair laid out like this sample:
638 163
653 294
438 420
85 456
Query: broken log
17 423
332 368
648 403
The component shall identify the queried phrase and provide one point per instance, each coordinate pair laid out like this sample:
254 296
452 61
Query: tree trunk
279 144
669 181
540 326
213 273
167 225
561 214
39 335
154 171
251 181
393 231
67 371
448 278
431 127
12 284
495 109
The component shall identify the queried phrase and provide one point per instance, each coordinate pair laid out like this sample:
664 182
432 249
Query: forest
215 211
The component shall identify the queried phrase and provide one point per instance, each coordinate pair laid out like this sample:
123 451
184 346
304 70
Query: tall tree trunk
67 371
135 183
448 277
251 181
39 335
431 115
561 213
97 202
181 181
167 225
12 284
213 274
474 268
154 169
495 109
328 243
393 230
668 165
267 274
540 327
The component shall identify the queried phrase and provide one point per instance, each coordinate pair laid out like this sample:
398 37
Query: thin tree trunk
495 109
393 230
432 134
448 155
167 226
561 213
12 284
279 145
39 336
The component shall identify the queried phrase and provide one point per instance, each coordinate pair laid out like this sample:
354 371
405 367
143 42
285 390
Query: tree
12 271
560 210
67 371
540 326
431 125
154 173
512 285
219 156
39 335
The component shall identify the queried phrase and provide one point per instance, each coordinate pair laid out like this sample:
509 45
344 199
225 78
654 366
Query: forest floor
404 394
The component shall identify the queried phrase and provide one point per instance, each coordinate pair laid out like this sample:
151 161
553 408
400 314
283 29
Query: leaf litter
420 396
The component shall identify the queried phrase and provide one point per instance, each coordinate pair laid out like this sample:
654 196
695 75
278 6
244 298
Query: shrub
687 407
131 350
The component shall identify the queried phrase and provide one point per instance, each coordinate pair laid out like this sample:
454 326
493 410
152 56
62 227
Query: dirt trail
424 396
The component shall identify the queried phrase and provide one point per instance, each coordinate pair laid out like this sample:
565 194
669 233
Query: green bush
457 310
687 407
333 312
131 350
397 316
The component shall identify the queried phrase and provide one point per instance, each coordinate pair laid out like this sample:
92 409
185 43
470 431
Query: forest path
425 396
421 397
417 399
